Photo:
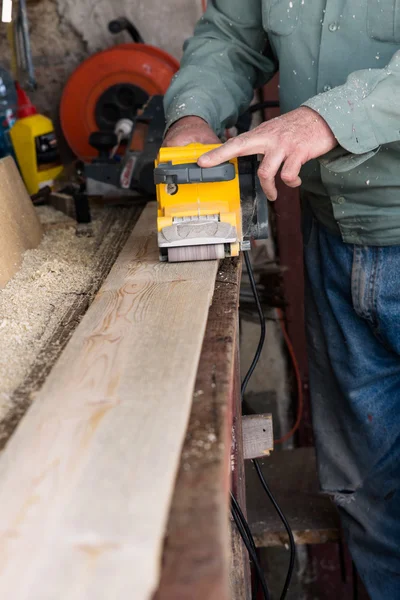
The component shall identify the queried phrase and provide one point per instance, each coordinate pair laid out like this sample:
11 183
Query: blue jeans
353 331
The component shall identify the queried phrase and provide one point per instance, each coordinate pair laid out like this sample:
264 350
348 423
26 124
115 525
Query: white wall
163 23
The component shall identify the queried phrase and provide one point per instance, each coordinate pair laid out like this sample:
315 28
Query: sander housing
207 214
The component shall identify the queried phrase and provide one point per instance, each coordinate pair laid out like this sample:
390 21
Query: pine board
87 477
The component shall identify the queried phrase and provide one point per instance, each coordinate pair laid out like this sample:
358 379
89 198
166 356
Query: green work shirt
339 57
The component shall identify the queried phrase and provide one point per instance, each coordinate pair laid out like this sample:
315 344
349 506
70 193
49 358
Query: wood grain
20 227
88 476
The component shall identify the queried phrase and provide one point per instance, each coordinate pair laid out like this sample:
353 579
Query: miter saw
125 163
207 214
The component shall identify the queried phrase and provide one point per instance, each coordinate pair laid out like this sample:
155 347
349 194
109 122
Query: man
339 64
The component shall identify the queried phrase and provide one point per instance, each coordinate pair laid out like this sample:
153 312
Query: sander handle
168 173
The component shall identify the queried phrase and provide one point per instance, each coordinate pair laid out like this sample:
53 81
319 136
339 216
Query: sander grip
169 173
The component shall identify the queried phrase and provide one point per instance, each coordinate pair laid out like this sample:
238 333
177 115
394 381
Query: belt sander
207 214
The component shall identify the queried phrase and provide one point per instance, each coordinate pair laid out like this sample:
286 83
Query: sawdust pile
62 265
49 215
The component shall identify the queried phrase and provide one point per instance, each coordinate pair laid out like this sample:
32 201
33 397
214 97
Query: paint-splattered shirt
339 57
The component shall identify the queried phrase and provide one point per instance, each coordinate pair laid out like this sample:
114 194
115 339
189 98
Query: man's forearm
221 65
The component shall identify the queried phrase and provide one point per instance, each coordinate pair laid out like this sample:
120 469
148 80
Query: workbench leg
240 565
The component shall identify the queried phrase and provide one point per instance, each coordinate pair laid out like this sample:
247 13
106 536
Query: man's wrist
187 121
189 130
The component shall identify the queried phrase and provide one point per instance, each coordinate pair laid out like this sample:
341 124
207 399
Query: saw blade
195 253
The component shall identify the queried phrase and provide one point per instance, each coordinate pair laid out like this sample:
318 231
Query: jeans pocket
281 17
383 20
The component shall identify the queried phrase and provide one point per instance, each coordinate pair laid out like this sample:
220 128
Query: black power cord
261 343
266 104
248 541
123 24
287 527
237 514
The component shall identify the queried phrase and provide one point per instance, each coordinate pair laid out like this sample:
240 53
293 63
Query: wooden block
87 478
258 436
64 203
292 477
19 225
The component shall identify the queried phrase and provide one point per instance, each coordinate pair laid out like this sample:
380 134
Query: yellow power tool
207 214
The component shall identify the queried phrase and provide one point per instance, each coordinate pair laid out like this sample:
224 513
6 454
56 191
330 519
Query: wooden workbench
197 547
197 556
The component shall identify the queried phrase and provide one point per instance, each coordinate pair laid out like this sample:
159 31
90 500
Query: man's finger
267 173
290 171
242 145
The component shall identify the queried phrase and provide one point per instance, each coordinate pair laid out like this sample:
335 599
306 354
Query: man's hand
288 141
190 130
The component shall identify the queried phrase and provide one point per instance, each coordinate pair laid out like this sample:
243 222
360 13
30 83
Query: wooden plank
258 436
292 476
88 476
196 552
20 227
64 203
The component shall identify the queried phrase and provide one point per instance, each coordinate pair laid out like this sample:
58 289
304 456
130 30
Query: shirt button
333 27
327 88
341 200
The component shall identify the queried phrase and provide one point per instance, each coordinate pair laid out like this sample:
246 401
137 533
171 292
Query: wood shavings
49 215
63 265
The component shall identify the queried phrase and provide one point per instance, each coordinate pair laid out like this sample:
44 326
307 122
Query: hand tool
23 44
207 214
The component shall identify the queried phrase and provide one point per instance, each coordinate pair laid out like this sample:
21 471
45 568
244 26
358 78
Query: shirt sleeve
363 114
223 62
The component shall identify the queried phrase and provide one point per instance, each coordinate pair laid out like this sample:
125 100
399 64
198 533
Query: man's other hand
190 130
288 141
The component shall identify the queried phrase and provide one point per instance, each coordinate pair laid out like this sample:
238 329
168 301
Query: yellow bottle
35 146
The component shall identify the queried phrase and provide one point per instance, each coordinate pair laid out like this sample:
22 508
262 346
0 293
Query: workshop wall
65 32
